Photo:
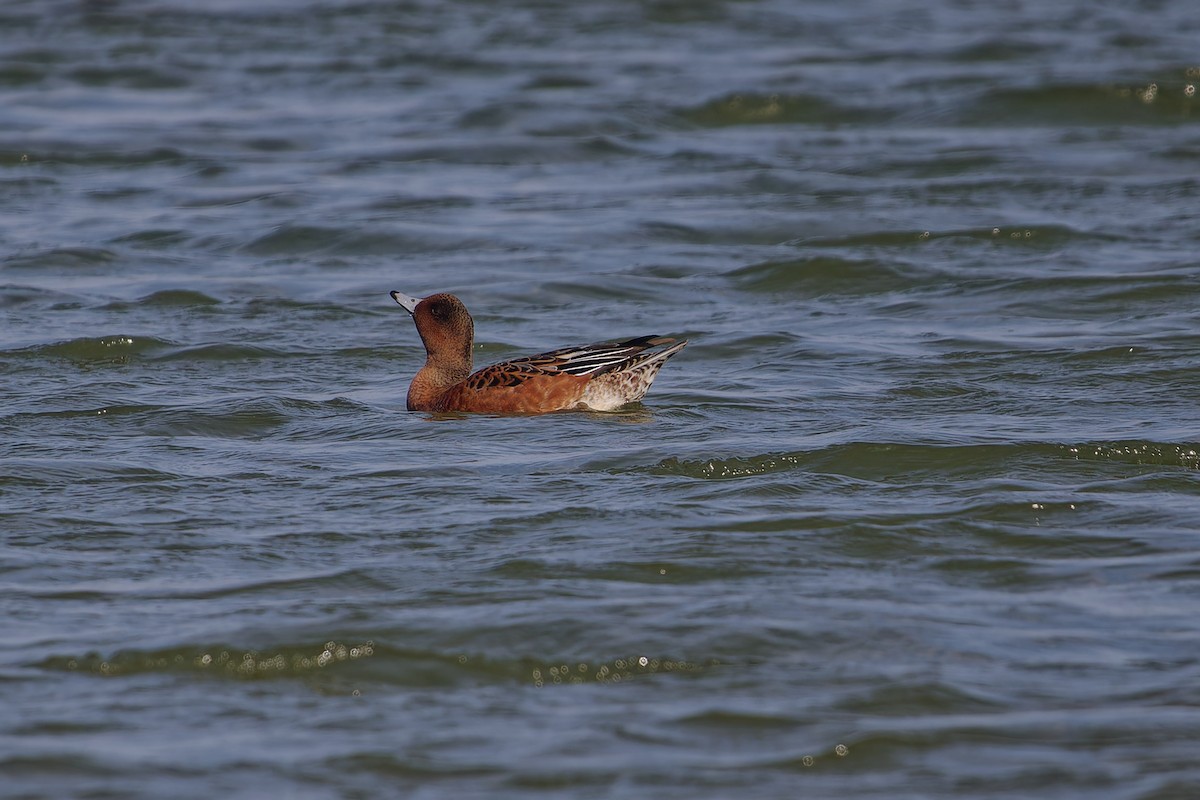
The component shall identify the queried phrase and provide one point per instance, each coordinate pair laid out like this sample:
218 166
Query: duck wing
583 361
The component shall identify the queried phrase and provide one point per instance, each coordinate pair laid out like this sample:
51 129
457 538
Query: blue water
913 515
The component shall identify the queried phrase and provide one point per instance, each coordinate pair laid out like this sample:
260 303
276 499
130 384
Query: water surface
914 515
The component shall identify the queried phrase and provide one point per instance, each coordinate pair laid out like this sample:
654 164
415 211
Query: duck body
601 377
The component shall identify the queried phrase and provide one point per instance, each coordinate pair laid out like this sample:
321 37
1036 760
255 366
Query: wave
58 471
877 459
754 108
292 240
122 348
371 660
153 238
243 418
118 347
1039 235
817 275
1082 103
220 351
15 295
166 298
60 258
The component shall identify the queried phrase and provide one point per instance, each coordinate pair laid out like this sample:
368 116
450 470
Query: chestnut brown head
445 325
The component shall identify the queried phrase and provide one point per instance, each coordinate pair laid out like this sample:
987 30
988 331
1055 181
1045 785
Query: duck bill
409 303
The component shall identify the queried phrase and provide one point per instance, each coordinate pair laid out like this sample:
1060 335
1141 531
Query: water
914 515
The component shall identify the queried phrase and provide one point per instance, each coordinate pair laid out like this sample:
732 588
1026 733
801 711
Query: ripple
903 699
248 419
78 258
131 77
1082 104
730 467
557 80
404 202
100 349
167 298
750 108
293 239
655 573
372 662
290 240
733 719
154 238
100 157
818 275
1039 236
1140 452
221 351
879 459
13 295
60 471
18 75
228 662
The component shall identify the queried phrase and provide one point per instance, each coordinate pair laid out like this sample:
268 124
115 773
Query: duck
603 376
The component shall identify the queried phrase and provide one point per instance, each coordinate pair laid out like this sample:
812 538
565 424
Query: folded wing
582 361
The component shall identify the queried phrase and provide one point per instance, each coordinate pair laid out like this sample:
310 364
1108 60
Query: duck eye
440 310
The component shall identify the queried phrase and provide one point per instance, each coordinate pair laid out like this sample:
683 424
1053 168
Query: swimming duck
601 377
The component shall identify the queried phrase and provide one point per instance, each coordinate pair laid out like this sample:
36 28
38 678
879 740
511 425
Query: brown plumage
601 376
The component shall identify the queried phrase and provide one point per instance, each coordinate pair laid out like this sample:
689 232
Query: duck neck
432 382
